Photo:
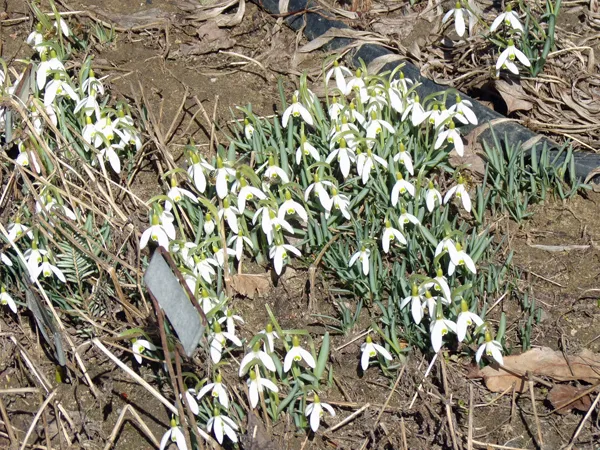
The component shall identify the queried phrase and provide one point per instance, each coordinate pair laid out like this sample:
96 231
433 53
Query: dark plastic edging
316 22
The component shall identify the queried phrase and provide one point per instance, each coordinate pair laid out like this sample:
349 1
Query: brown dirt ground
565 283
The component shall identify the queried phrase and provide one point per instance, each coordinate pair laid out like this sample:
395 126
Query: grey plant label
172 298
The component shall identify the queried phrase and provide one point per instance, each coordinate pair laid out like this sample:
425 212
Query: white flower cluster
509 19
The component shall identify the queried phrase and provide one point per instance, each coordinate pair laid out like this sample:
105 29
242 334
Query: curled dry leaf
561 396
514 96
251 285
542 362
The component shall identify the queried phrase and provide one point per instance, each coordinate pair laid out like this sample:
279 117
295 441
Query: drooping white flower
416 304
446 244
439 284
222 425
453 137
93 85
5 260
209 224
432 196
238 240
290 206
64 28
352 115
366 162
439 328
34 257
7 300
398 93
417 114
229 319
271 336
508 56
177 193
47 66
28 158
160 233
460 258
196 173
344 155
256 385
203 267
207 301
492 349
465 319
460 192
340 73
403 157
361 255
223 175
265 213
297 354
46 269
315 412
230 213
390 234
356 83
254 356
248 192
16 229
339 202
406 217
401 186
190 399
463 111
39 122
509 18
279 253
218 339
174 434
296 109
36 38
369 350
459 18
335 109
319 187
139 346
217 391
274 171
58 88
306 149
430 302
110 153
248 129
375 126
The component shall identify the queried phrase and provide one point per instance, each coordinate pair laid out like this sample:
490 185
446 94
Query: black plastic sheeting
316 22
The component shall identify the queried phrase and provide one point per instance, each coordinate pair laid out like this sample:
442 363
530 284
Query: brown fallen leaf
251 285
514 96
542 362
561 394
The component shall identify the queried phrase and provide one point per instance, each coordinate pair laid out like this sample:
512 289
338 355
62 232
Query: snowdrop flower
432 196
139 346
217 391
296 109
397 92
416 305
239 240
265 213
345 157
58 88
38 121
230 213
46 66
417 114
256 355
365 162
465 319
370 350
355 83
203 267
363 256
196 173
47 203
319 187
256 385
220 424
218 340
64 28
289 207
5 260
389 235
109 153
315 411
209 224
223 175
16 229
401 187
92 85
174 434
34 256
446 244
340 73
306 149
7 300
191 401
176 193
451 135
297 354
507 58
459 18
248 129
28 158
279 253
492 349
460 258
439 328
462 111
334 110
403 157
347 131
375 126
246 193
274 171
229 318
271 336
406 217
375 98
36 38
352 115
509 18
160 233
439 284
459 191
207 301
339 202
279 222
89 105
47 270
430 302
